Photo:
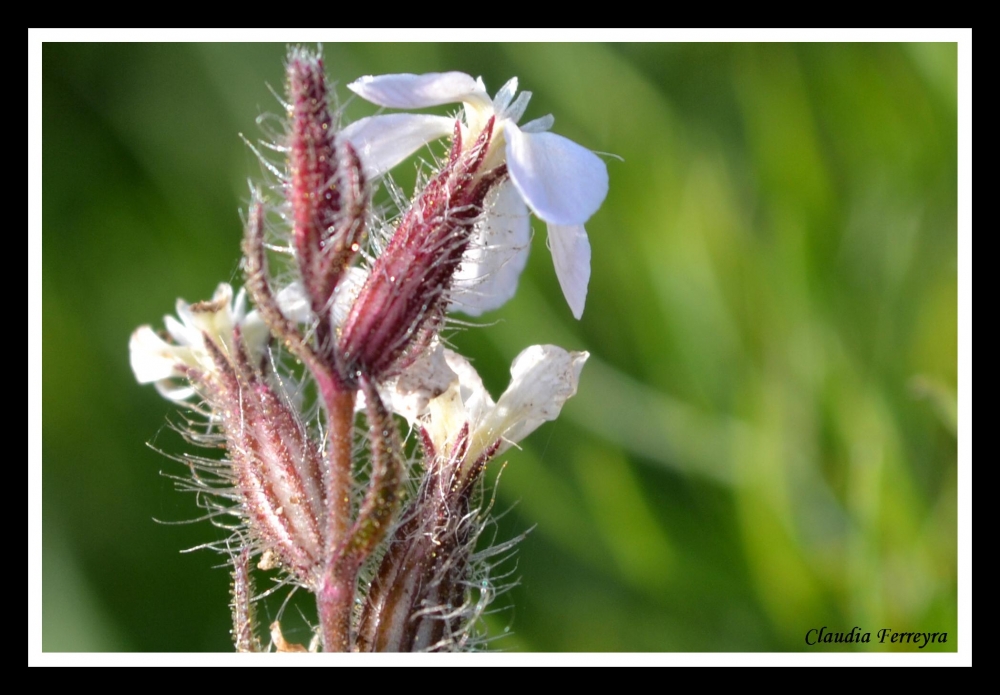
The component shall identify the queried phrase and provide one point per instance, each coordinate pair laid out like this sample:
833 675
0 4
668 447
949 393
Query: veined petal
382 142
571 255
498 251
408 91
543 378
562 182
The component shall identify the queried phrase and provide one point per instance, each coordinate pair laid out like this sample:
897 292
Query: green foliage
763 440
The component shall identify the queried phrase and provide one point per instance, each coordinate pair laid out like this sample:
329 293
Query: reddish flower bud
324 185
407 288
275 466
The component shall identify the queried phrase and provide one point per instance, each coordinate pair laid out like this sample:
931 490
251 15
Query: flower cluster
383 538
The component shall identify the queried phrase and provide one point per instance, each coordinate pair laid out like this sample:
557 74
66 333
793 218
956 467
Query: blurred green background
764 437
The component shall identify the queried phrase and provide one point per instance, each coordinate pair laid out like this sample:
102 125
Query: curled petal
571 255
497 253
466 402
562 182
408 91
382 142
543 378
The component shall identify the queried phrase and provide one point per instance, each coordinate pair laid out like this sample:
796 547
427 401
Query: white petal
562 182
408 91
382 142
174 391
151 357
571 255
475 398
517 109
255 334
182 333
223 295
506 93
539 125
347 292
465 402
426 379
240 306
294 304
543 378
498 251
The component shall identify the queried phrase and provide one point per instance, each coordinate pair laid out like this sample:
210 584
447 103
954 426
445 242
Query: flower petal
426 379
347 292
183 333
408 91
543 378
464 402
498 251
476 399
539 125
294 303
562 182
382 142
174 391
571 255
506 93
151 357
517 109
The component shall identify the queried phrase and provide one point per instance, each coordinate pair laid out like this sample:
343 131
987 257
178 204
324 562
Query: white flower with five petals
562 182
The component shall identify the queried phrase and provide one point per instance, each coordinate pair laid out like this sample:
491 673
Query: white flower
156 361
562 182
443 392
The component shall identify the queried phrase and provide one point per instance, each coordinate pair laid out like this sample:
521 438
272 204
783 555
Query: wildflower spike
315 497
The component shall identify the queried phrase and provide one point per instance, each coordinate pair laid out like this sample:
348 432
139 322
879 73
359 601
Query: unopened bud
325 185
275 467
407 288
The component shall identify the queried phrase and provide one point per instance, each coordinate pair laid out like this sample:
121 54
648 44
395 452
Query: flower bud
275 468
407 288
324 185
